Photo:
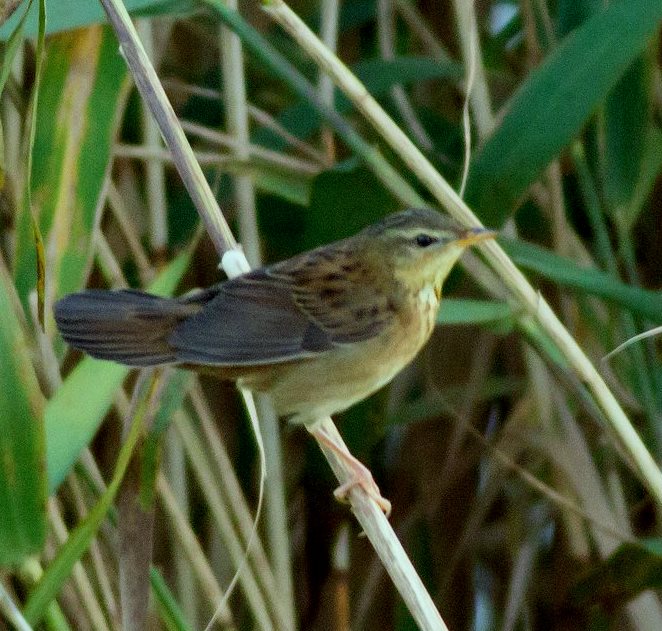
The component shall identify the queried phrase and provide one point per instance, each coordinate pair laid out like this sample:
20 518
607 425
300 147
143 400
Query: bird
318 332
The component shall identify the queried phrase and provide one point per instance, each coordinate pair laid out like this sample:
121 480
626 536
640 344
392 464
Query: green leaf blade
566 272
558 98
455 311
22 475
83 91
73 415
65 15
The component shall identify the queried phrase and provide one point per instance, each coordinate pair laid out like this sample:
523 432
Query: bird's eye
423 240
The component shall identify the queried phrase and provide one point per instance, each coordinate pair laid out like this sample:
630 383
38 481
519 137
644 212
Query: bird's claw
360 475
369 487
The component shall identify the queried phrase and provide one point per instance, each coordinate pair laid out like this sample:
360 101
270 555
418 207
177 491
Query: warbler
318 332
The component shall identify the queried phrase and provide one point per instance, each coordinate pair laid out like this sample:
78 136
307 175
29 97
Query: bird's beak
474 235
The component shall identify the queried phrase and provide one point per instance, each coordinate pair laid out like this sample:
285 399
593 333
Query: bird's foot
370 488
360 477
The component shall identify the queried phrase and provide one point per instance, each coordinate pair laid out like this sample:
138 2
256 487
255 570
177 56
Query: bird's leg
361 475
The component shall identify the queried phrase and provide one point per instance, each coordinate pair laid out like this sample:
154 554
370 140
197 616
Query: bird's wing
342 295
292 310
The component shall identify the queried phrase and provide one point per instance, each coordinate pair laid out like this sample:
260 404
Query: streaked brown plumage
318 332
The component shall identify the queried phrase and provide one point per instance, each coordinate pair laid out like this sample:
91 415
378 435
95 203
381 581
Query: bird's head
420 245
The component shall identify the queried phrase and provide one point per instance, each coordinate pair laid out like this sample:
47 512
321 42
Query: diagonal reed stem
532 302
380 533
376 526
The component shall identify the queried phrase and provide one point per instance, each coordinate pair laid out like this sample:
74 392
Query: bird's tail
126 326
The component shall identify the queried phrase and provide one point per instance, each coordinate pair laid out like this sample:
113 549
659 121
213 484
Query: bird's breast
336 379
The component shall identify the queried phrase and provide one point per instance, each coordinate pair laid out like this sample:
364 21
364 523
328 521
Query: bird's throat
429 296
427 305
